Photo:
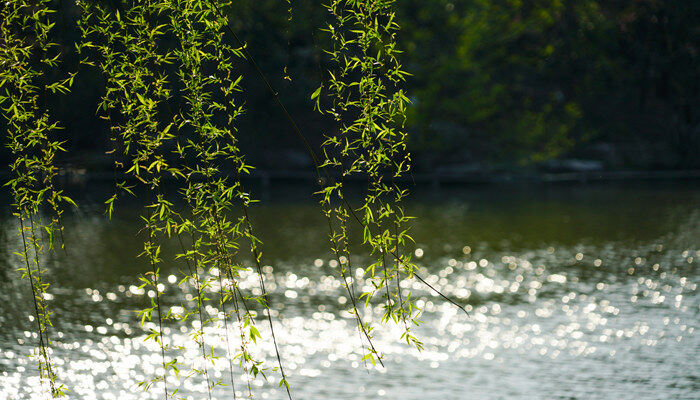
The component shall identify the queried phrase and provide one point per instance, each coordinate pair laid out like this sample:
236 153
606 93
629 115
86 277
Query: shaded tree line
495 84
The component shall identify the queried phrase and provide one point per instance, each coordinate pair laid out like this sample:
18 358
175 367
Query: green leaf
316 92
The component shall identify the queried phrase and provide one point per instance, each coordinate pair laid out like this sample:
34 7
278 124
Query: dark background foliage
497 84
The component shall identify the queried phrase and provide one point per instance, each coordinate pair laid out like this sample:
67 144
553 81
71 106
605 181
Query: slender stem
352 299
226 268
273 92
198 287
398 278
228 343
244 352
42 306
34 298
154 270
440 293
386 279
266 298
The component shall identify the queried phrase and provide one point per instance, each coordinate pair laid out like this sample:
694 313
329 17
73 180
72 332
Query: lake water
574 292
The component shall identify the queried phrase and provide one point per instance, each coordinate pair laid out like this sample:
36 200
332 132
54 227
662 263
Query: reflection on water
585 292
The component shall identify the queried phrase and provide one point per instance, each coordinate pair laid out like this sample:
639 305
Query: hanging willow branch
211 83
369 108
172 102
26 52
359 15
140 67
136 87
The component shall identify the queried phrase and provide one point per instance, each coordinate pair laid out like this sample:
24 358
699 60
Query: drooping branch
26 53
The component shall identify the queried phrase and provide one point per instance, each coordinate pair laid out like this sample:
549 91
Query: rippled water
575 292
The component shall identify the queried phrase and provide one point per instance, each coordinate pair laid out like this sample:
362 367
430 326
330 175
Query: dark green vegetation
171 98
518 81
494 83
179 97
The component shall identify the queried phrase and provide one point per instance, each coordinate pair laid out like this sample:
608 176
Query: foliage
173 74
543 79
369 109
495 83
171 100
149 53
25 53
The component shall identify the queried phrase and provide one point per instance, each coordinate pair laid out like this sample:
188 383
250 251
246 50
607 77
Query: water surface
574 292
